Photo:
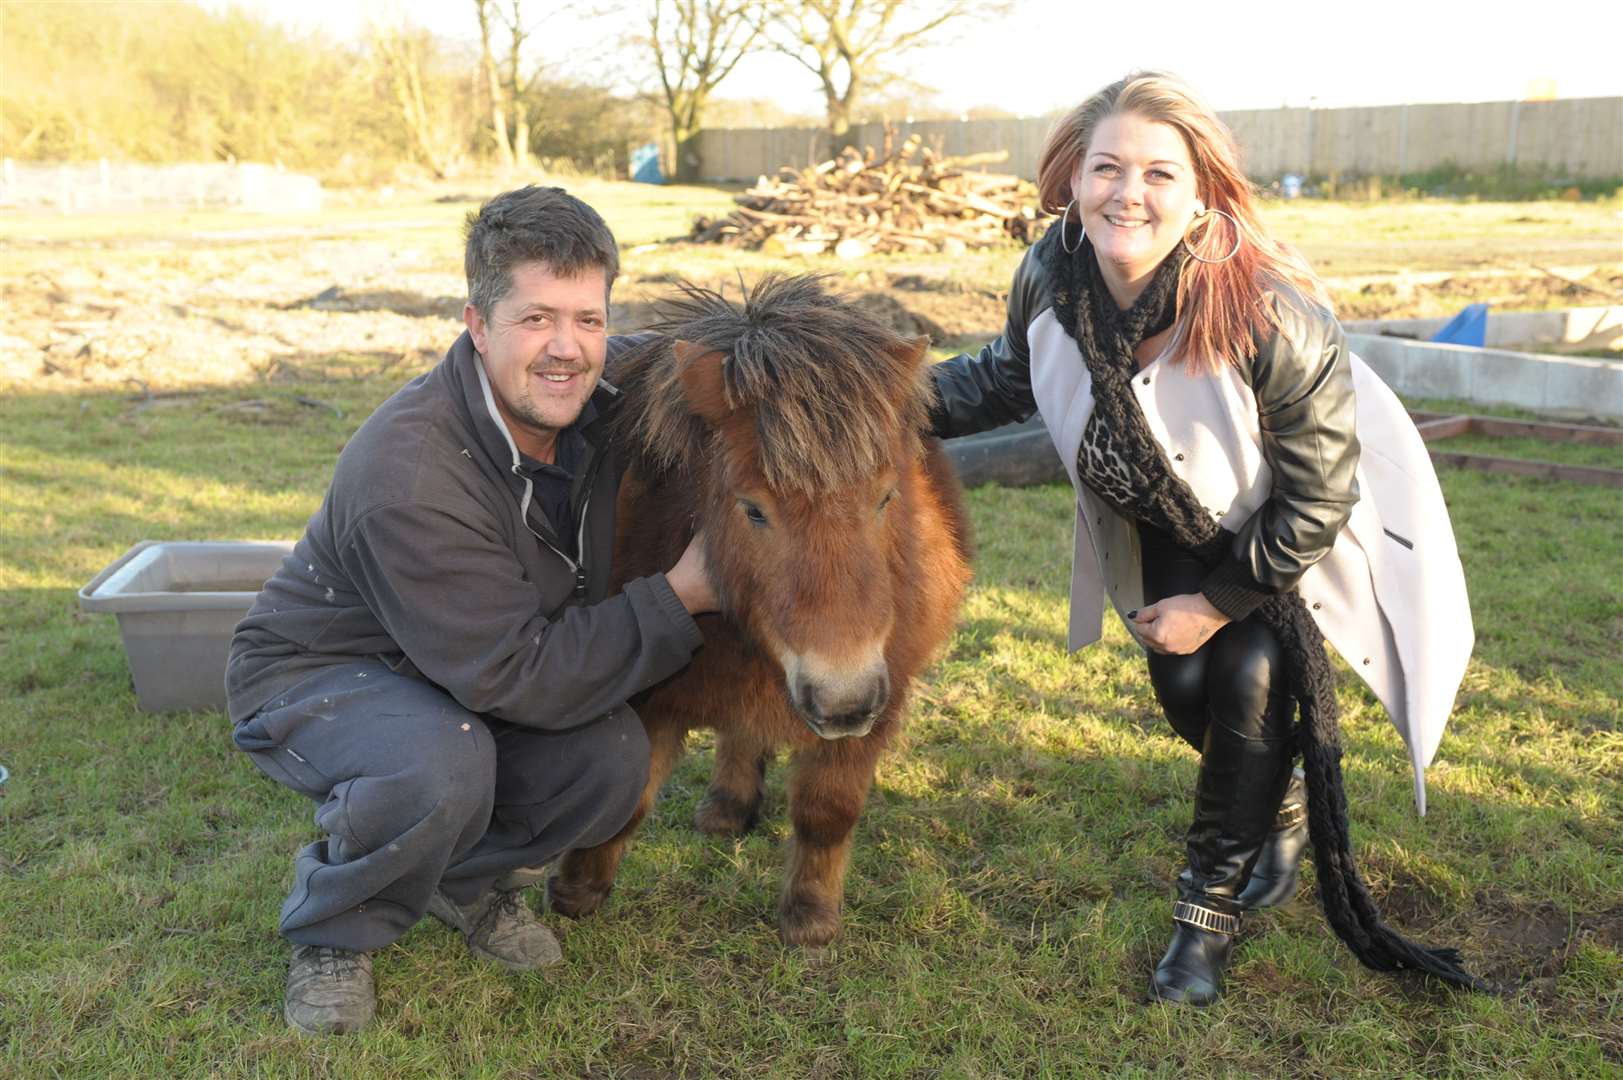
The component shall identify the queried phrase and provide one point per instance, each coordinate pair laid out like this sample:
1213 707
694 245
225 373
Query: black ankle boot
1273 878
1242 780
1191 972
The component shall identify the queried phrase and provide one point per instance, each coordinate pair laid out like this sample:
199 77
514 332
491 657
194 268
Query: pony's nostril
879 698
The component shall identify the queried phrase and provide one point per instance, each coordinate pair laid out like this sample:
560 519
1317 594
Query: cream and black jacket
1302 454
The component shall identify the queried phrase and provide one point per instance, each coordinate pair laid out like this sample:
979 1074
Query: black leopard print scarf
1106 336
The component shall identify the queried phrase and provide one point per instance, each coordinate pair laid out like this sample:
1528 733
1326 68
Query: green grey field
194 377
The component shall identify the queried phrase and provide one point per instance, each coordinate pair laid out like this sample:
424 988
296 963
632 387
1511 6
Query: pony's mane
825 380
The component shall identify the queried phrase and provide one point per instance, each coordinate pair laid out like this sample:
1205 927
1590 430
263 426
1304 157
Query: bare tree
403 54
492 80
508 81
848 44
517 85
695 45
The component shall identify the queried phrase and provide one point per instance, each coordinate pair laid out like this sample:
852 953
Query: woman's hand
1179 624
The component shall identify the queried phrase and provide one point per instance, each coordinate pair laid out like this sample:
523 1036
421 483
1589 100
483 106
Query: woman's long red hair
1223 305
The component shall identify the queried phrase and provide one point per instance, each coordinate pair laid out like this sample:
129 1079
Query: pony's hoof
573 898
807 924
723 814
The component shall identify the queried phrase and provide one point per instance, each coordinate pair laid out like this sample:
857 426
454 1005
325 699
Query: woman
1201 395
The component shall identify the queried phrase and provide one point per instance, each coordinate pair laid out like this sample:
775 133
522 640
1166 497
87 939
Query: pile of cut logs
903 199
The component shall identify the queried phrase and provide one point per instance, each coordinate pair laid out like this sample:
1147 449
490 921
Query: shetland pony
786 431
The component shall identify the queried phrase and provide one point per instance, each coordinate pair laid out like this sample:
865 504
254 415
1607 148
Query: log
903 198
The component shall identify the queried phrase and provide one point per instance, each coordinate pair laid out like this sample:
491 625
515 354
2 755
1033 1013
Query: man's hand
690 578
1179 624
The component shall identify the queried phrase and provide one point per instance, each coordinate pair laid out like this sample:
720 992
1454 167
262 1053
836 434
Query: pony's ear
912 357
911 352
701 378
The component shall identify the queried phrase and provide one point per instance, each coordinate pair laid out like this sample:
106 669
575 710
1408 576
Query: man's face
543 346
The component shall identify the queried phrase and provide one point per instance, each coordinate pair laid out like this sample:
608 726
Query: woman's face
1136 189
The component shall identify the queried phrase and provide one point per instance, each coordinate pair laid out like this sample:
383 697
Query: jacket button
1177 457
1315 605
1146 380
1366 661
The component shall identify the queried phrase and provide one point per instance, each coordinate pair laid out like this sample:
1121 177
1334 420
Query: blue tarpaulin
645 164
1469 327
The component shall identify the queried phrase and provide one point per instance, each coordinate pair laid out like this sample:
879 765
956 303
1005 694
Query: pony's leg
732 804
826 793
585 875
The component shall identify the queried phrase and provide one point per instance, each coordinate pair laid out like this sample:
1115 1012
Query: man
439 663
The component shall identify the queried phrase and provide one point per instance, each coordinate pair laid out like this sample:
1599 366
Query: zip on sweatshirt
578 569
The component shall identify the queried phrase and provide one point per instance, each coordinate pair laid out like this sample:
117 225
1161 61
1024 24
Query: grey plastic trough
177 604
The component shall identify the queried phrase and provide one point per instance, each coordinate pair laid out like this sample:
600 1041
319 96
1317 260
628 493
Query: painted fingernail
1133 614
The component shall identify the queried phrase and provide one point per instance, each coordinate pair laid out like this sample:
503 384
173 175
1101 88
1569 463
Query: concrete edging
1579 327
1545 383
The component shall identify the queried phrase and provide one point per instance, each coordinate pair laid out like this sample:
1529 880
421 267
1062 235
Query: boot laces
503 908
334 963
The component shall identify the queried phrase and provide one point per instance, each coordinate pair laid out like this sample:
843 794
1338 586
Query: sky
1050 54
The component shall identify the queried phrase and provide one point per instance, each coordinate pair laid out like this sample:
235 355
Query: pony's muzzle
842 707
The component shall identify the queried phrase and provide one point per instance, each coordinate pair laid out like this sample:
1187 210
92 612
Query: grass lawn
1011 880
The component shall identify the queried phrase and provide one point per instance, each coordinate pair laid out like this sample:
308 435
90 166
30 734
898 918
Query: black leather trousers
1228 700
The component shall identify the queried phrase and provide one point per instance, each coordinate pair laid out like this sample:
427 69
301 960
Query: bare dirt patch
160 304
1404 296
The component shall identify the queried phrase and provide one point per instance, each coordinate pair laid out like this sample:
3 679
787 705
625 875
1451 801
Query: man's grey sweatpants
415 792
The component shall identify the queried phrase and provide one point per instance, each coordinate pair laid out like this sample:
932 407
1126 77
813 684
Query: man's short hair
534 224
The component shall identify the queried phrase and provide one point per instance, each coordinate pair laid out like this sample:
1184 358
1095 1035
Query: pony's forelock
825 383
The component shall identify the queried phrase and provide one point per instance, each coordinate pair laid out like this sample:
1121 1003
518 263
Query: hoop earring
1081 233
1238 239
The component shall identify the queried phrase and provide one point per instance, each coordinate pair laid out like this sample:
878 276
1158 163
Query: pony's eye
889 495
753 512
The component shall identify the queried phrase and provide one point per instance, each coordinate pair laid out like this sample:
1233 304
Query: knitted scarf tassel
1106 337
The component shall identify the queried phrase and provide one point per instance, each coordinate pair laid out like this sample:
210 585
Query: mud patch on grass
1529 945
400 301
1523 943
1604 928
1407 903
897 316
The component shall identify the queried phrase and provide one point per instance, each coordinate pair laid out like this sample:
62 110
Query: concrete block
1572 384
1499 377
1387 357
1591 387
1439 370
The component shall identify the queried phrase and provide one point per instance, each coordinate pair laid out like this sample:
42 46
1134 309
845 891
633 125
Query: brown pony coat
786 431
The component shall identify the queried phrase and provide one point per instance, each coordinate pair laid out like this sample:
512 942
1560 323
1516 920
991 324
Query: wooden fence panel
1580 137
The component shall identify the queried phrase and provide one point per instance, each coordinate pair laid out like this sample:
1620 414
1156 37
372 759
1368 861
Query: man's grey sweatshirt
429 555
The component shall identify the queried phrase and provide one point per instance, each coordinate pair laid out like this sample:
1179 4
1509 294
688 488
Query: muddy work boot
329 991
500 926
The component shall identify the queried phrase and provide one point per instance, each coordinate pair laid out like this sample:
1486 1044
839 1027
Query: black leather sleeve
1302 379
993 387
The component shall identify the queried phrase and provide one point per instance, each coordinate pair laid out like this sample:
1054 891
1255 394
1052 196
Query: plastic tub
177 605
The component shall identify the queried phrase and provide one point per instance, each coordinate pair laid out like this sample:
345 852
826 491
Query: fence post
1515 122
1403 142
1307 158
